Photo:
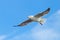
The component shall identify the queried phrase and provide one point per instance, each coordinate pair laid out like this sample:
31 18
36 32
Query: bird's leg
41 23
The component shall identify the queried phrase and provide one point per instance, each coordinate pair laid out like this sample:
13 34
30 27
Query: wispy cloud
54 20
3 37
44 34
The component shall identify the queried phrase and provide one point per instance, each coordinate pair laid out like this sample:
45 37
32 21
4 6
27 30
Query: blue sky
13 12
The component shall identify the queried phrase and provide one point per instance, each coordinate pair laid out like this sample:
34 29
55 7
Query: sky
13 12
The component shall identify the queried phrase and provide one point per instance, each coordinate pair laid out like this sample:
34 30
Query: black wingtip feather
48 9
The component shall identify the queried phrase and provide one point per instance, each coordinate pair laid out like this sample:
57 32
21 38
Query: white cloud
2 37
44 34
54 20
38 34
58 12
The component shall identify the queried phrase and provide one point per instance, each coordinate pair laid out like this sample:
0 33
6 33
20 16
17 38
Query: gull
37 18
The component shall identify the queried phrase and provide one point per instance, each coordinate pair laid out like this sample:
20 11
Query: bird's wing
43 13
25 22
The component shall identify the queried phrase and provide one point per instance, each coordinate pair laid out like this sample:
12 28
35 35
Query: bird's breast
35 19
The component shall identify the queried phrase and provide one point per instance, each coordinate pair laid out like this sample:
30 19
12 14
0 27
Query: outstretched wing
43 13
25 22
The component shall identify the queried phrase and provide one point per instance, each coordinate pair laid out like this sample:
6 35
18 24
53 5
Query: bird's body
36 18
33 18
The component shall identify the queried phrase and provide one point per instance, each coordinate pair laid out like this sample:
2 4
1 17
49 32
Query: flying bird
37 18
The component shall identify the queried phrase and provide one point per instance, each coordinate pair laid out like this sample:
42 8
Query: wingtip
48 9
20 25
15 26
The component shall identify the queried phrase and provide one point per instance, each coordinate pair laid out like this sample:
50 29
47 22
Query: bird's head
30 16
